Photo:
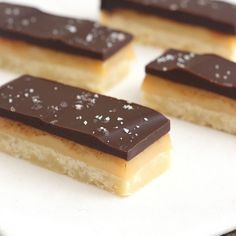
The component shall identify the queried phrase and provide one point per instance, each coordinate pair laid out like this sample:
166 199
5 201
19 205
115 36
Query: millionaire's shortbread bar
116 145
73 51
195 87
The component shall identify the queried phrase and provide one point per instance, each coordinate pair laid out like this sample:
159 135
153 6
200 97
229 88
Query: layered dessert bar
72 51
113 144
201 26
194 87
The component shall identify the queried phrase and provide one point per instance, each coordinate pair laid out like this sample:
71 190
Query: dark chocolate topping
104 123
209 72
216 15
233 233
74 36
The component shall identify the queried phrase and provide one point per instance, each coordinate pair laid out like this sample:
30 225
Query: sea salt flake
161 59
118 36
35 99
103 130
78 118
109 44
71 28
181 60
25 22
8 11
126 130
187 57
170 57
78 106
99 117
192 54
121 37
89 38
63 104
128 107
180 65
53 122
12 109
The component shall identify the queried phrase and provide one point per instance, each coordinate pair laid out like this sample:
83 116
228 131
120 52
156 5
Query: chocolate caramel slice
73 51
111 143
200 25
198 88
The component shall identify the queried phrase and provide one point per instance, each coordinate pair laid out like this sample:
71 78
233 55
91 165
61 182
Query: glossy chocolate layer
215 15
104 123
207 71
233 233
74 36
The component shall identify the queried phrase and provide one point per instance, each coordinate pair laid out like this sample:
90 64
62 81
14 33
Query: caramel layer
78 71
189 103
84 163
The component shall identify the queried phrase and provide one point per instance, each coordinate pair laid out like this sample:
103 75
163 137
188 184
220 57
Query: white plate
196 197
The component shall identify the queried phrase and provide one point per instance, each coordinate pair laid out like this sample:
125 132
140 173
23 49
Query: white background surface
196 197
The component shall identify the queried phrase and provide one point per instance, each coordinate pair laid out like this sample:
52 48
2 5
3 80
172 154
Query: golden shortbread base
164 33
189 103
83 163
78 71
